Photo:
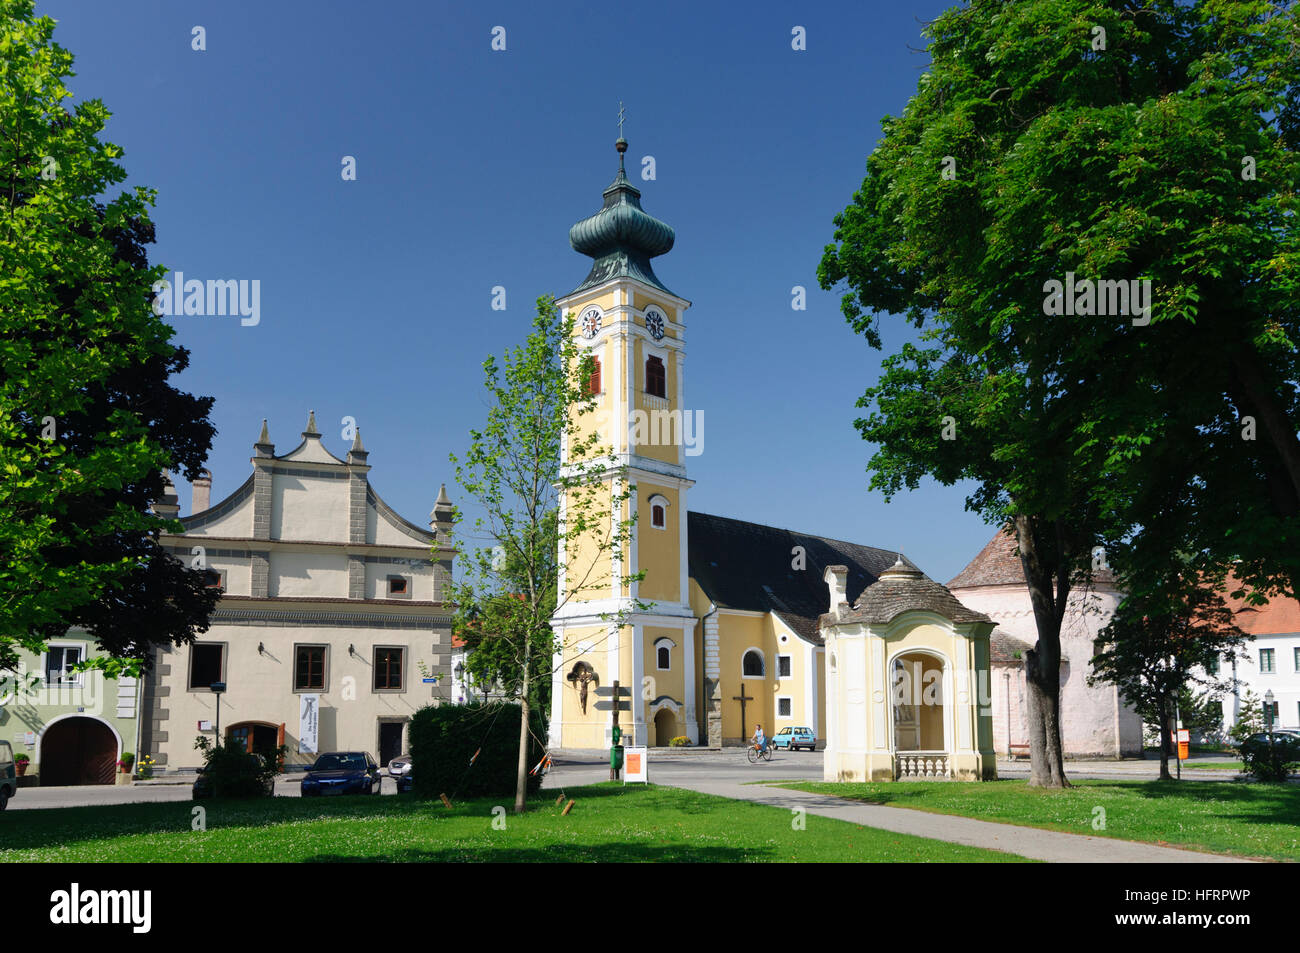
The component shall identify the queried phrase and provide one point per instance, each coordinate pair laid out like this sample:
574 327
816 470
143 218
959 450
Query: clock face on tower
654 323
590 322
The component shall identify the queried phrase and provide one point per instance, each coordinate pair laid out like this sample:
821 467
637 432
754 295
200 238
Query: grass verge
609 822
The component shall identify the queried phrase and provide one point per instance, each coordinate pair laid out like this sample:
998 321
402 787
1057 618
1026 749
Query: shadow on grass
53 827
613 853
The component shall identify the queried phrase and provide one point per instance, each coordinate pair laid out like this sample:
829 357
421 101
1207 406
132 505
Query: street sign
609 706
606 691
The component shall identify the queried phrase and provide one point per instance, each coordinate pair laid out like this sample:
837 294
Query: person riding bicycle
759 739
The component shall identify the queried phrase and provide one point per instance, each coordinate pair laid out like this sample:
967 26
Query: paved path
1026 841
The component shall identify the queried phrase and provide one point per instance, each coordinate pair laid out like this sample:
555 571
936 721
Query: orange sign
1184 738
634 763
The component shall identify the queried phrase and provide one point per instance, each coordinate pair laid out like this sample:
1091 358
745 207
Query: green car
8 775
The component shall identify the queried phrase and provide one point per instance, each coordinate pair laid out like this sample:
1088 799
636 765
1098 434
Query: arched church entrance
665 727
78 750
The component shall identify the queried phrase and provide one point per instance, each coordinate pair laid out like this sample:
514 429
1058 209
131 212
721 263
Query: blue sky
471 166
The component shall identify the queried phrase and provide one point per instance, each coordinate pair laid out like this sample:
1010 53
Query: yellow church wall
660 428
587 730
737 634
658 549
657 682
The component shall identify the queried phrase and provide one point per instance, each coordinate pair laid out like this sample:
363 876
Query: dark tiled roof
998 564
1006 648
902 589
748 566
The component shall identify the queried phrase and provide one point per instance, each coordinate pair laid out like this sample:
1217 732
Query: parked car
342 772
1279 734
8 774
795 738
406 783
400 766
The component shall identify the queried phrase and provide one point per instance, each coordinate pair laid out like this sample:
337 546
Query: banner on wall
308 723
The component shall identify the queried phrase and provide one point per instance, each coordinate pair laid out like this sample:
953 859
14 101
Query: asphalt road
573 768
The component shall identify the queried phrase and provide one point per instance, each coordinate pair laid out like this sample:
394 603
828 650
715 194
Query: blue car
342 772
795 738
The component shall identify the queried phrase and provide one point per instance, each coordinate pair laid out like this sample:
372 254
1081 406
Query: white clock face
654 323
590 322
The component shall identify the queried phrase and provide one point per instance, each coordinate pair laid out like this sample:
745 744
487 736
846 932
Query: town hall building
727 628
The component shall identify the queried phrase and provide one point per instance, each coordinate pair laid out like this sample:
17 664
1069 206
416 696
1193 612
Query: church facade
724 630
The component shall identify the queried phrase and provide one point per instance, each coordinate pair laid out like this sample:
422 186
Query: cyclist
759 739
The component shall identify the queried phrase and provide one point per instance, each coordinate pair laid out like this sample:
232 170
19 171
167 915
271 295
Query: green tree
1163 640
1106 140
510 587
88 418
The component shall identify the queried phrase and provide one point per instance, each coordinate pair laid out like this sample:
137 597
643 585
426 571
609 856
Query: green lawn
1247 820
1214 766
608 823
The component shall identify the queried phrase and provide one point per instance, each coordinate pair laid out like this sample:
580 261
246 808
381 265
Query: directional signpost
612 699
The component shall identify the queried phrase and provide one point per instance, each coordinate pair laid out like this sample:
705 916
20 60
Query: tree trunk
1164 722
521 772
1048 580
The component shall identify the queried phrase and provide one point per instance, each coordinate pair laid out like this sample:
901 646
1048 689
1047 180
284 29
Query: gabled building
1095 721
332 629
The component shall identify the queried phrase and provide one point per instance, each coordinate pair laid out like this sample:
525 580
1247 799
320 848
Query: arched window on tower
593 382
659 511
656 382
751 666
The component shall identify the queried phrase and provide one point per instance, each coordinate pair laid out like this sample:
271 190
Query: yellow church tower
634 329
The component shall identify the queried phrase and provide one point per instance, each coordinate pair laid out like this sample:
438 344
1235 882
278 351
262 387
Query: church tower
634 328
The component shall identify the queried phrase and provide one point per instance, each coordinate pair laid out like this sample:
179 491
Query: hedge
445 738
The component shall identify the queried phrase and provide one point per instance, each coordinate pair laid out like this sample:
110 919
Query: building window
1266 661
59 660
1297 659
784 707
398 586
1213 667
1274 720
664 658
309 668
656 383
216 579
207 665
659 511
783 666
593 382
751 666
388 669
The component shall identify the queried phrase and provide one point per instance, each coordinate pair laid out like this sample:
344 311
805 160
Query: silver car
400 766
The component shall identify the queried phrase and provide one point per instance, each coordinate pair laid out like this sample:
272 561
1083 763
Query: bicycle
755 754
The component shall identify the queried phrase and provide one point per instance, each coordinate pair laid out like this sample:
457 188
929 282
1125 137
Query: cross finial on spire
621 114
620 144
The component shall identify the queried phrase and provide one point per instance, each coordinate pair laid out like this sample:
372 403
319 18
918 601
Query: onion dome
622 237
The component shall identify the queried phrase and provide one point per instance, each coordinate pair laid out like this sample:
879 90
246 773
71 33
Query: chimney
169 506
202 487
837 577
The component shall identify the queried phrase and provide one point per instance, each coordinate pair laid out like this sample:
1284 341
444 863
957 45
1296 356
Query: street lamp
217 689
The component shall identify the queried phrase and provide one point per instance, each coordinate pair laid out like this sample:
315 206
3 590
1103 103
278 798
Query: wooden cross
742 698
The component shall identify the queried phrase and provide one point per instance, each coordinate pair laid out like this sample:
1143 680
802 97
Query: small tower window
664 658
658 512
752 664
663 654
593 382
655 380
